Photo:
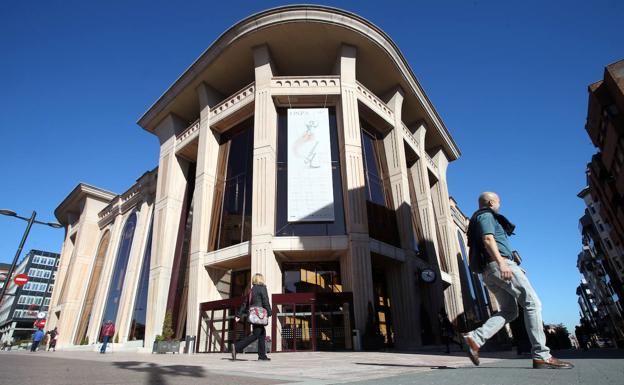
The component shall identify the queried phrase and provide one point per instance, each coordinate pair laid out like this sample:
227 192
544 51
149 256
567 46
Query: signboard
20 279
310 187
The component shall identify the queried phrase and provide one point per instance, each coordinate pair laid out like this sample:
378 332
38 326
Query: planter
166 347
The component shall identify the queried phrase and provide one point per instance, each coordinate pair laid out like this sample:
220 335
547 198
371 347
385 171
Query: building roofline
583 192
80 191
300 12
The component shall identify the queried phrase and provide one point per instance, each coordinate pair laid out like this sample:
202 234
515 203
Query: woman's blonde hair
258 279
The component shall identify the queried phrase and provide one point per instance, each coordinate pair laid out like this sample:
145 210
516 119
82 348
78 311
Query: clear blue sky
510 82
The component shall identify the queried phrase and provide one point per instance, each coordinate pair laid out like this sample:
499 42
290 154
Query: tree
167 329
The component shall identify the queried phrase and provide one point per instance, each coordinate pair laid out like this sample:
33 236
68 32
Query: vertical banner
310 187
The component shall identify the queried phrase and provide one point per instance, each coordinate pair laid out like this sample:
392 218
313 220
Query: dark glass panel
310 277
119 271
235 211
372 169
137 327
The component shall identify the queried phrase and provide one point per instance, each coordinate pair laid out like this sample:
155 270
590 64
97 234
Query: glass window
372 151
137 327
282 226
119 271
311 277
233 198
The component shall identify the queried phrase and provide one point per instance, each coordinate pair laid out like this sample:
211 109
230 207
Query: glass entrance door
312 321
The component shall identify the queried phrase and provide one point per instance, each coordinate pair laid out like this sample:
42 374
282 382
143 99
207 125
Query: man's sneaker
551 363
233 353
265 358
471 348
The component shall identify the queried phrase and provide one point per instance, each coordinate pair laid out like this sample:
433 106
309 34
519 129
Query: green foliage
85 340
167 329
116 340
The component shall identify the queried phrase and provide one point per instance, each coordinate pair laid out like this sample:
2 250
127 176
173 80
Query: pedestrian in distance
491 255
53 337
108 331
37 337
257 309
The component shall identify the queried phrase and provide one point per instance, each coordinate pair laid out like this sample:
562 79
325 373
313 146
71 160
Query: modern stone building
299 145
23 305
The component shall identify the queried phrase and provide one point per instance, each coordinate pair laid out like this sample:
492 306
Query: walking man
37 337
108 331
491 254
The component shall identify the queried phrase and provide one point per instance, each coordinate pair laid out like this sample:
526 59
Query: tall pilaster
447 237
168 208
263 259
133 272
95 321
425 226
422 209
77 274
356 264
401 277
201 287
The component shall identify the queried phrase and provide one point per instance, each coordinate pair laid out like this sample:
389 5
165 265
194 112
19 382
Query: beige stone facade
203 230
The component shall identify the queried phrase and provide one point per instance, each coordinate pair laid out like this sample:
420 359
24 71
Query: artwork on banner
310 189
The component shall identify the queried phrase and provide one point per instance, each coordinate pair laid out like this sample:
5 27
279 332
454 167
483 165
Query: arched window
137 327
119 271
87 307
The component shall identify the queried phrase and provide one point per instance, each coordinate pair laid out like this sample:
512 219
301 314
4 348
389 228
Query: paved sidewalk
596 367
306 368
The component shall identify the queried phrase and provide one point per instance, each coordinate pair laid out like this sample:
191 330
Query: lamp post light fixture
31 221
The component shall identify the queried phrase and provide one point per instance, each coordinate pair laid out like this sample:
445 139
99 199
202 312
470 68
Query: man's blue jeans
509 294
104 343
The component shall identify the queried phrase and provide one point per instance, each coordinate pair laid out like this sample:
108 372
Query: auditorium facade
299 145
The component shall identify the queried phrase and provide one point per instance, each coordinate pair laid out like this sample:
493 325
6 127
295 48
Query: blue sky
509 79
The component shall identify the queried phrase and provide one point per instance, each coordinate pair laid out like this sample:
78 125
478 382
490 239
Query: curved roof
303 40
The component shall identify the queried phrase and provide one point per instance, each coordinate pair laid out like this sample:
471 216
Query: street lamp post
30 221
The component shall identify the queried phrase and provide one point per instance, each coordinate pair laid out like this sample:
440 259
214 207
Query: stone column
77 274
356 263
201 287
263 259
168 208
95 321
447 237
425 225
400 277
133 273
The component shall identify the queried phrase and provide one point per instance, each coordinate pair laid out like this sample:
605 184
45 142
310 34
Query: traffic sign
40 323
20 279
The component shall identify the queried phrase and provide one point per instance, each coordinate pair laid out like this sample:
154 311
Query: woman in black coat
259 298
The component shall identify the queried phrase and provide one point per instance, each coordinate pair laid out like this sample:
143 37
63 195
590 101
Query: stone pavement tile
44 369
304 367
591 368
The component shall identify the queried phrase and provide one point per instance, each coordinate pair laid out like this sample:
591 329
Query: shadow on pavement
406 366
156 372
